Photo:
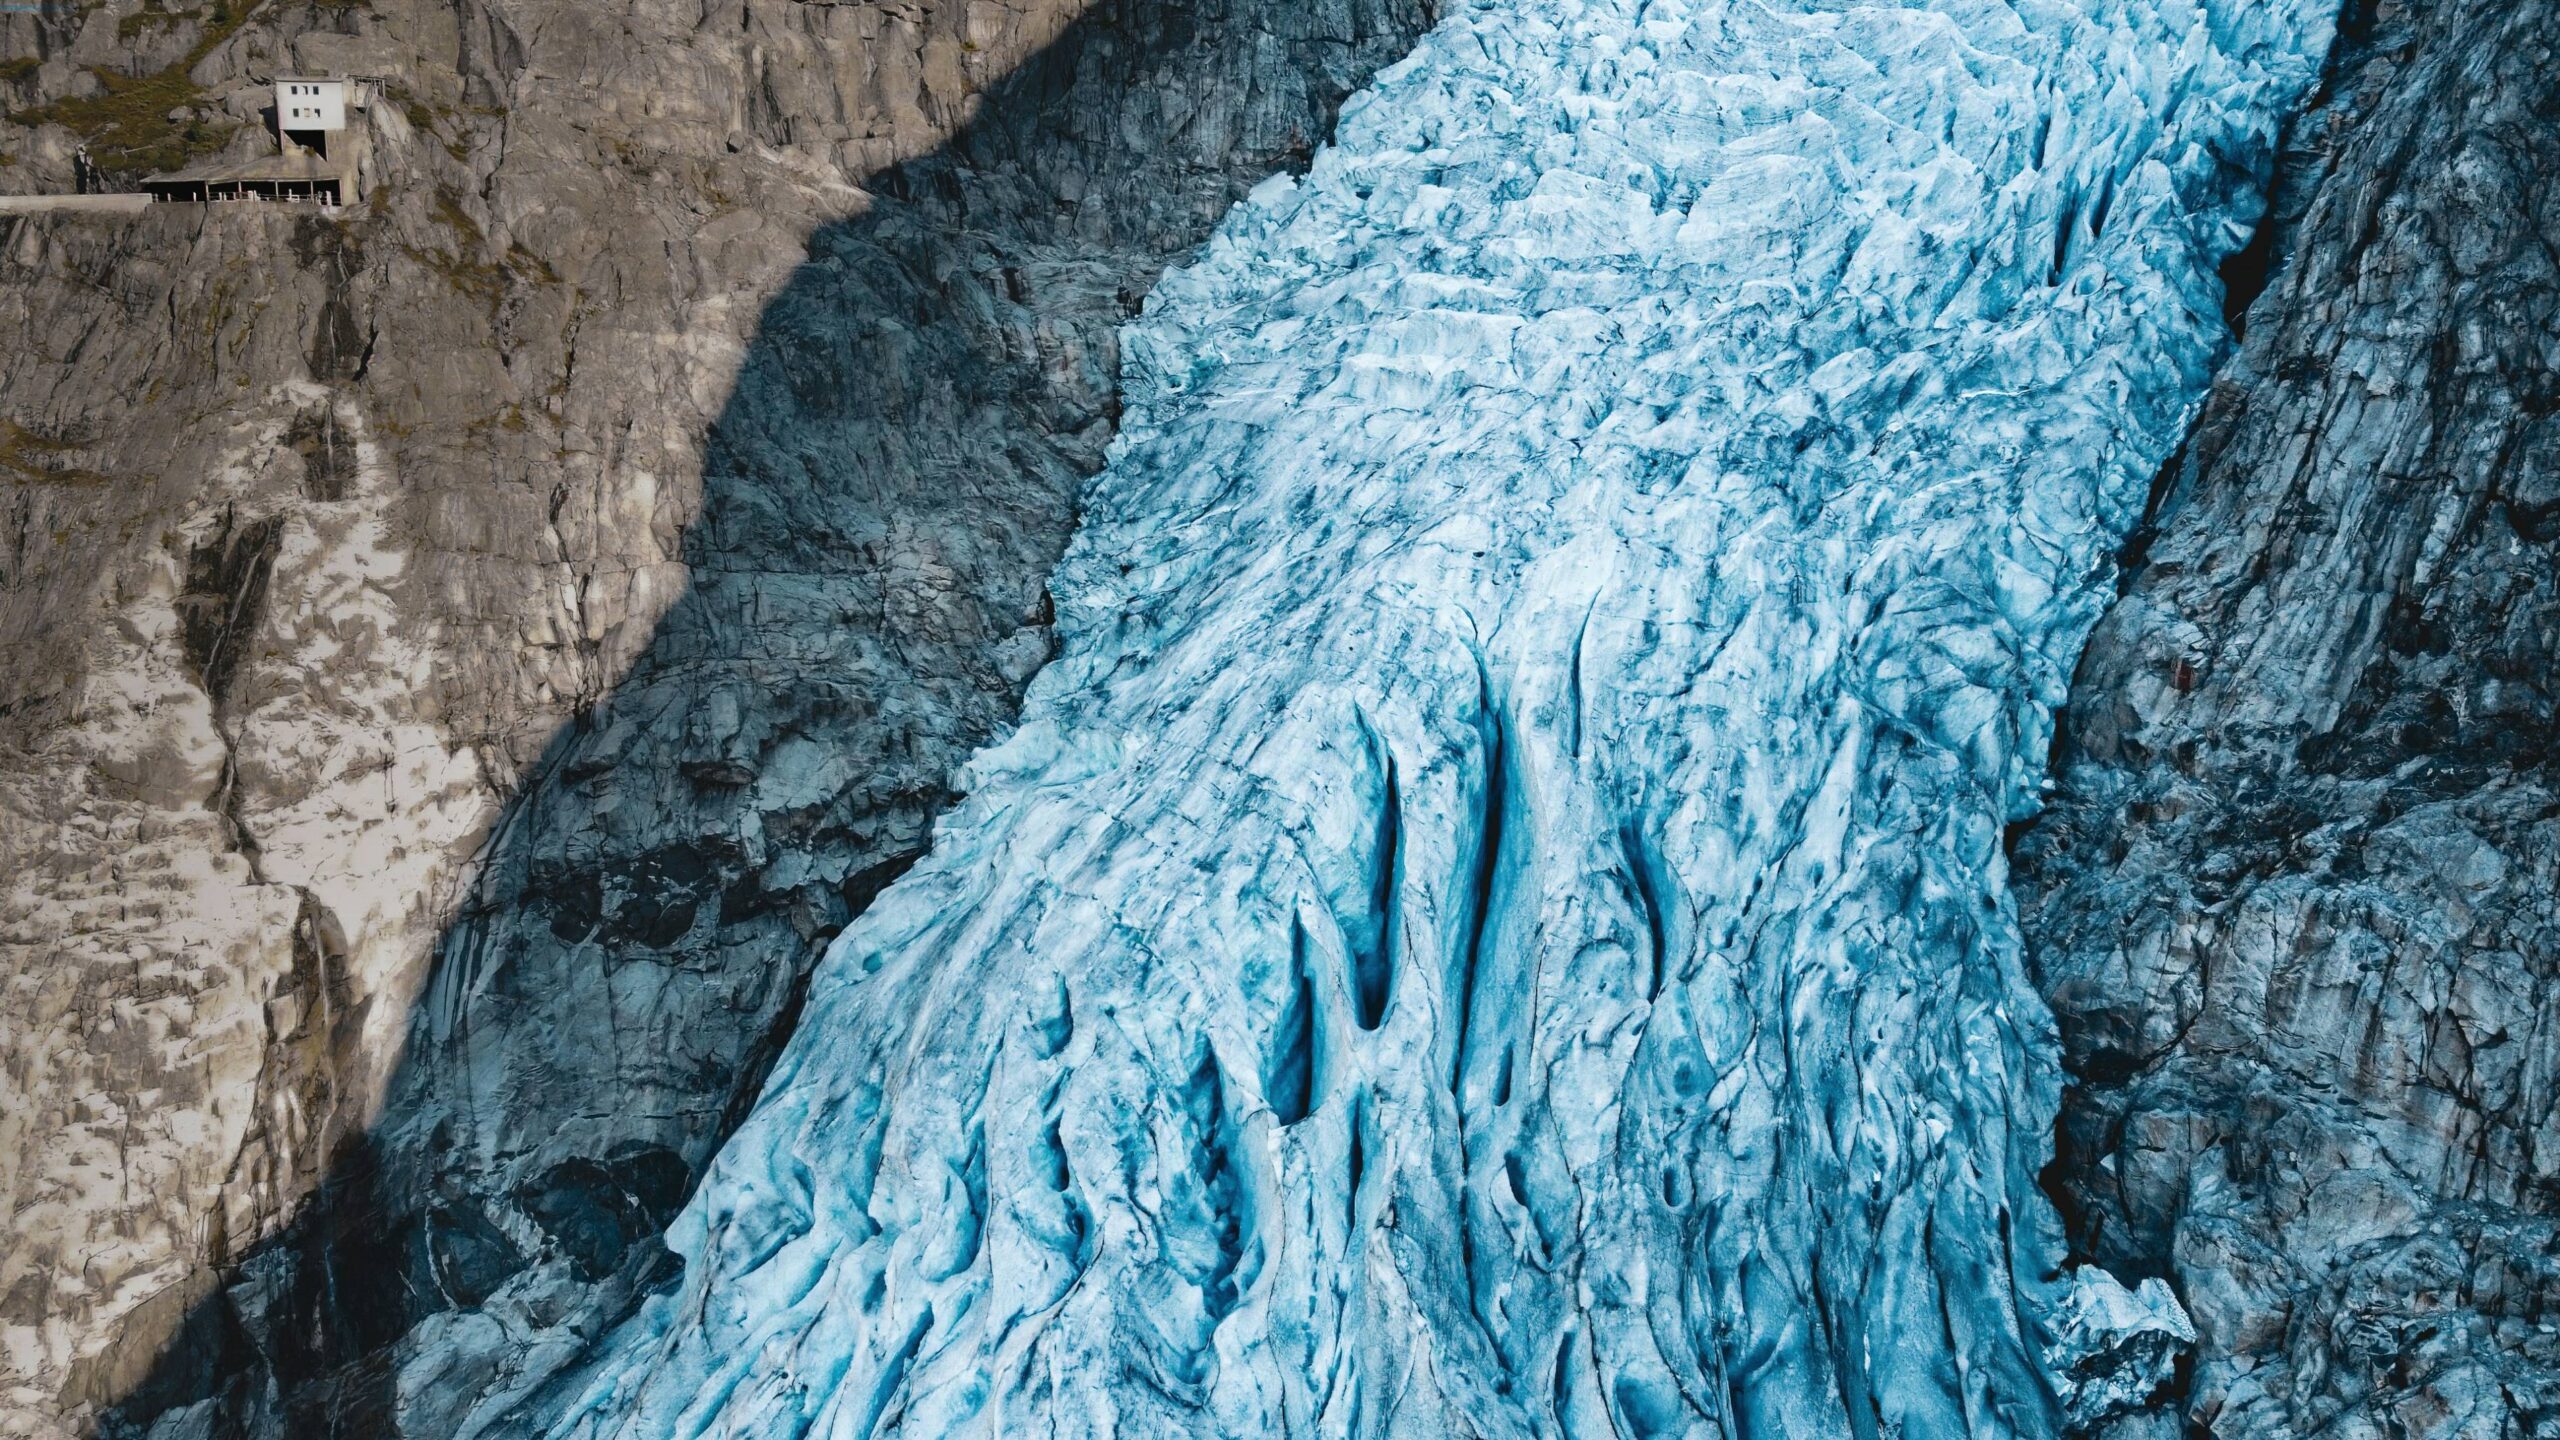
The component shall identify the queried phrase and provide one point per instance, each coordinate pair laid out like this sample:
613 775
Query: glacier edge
1495 924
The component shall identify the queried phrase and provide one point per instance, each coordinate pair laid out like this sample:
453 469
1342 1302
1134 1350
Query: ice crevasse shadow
1495 923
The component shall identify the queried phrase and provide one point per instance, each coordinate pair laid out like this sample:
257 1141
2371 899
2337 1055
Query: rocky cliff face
467 651
2295 905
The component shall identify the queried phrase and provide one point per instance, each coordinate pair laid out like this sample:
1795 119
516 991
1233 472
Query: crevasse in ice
1495 923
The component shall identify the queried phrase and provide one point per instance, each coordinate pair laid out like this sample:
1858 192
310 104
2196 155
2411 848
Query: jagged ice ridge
1496 922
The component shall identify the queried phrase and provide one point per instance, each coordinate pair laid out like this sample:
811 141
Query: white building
308 110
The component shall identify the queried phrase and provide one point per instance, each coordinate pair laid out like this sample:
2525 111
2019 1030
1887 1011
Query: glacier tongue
1496 922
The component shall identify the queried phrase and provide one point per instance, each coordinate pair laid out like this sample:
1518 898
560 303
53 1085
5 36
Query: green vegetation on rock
128 129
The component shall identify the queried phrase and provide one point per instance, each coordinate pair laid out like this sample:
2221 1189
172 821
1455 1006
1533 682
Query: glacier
1496 922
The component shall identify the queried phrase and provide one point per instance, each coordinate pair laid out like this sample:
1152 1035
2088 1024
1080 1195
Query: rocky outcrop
2295 904
466 652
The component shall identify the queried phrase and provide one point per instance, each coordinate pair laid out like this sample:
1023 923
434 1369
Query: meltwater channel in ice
1495 924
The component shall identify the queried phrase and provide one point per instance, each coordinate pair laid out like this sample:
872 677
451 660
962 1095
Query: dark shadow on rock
2274 906
883 498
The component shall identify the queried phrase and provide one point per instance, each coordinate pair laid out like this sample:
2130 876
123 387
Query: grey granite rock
2298 903
465 652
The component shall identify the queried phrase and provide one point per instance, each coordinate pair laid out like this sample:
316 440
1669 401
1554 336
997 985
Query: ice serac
1496 922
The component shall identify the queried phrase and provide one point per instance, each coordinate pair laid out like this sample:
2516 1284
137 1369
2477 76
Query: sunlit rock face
462 655
1496 922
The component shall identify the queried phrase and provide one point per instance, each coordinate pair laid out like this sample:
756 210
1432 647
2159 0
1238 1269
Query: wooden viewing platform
303 178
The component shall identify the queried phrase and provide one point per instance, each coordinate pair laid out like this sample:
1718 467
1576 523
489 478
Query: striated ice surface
1496 923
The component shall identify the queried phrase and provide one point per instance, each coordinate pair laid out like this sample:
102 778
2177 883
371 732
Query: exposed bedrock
2297 905
1495 924
465 654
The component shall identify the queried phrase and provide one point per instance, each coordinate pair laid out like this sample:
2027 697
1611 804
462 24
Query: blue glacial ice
1496 924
